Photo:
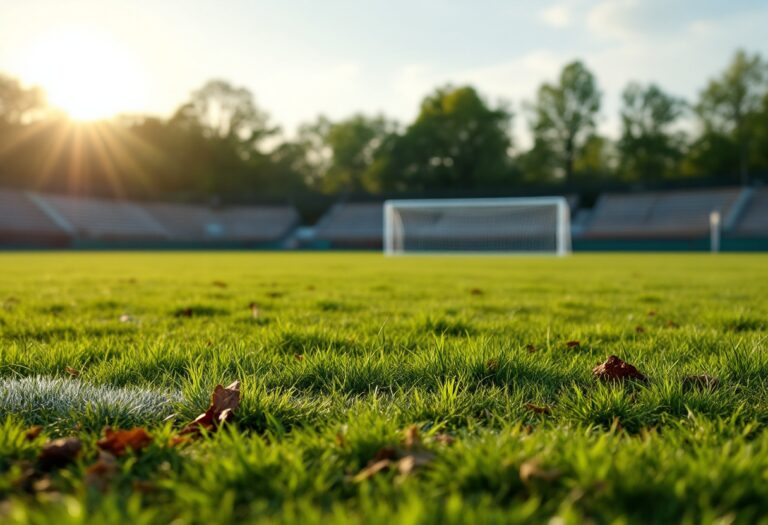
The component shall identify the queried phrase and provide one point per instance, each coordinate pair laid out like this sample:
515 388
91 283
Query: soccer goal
530 225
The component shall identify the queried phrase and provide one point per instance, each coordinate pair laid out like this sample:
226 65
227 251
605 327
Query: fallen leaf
476 291
223 403
530 348
118 441
72 371
651 313
531 470
572 344
700 382
100 474
639 329
614 369
538 409
372 469
412 438
492 366
219 284
59 452
33 432
298 357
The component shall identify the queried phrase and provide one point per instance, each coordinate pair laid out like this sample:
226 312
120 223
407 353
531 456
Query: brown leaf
651 313
639 329
59 452
531 470
33 432
476 291
118 441
672 324
443 439
492 366
407 464
298 357
100 474
700 382
72 371
275 295
219 284
223 403
254 310
530 348
412 438
387 452
372 469
614 369
538 409
176 441
573 344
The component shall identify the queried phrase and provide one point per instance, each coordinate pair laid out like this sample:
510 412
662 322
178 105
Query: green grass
383 344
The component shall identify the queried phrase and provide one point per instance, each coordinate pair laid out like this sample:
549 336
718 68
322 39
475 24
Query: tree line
220 144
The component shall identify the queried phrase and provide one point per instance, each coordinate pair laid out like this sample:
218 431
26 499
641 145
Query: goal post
524 225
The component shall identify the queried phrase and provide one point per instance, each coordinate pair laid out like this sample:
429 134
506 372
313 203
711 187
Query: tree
457 141
730 103
227 113
648 148
564 114
17 103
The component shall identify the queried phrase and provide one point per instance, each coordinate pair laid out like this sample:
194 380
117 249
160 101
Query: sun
86 74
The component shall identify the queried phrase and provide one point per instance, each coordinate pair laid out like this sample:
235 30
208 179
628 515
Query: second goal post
515 225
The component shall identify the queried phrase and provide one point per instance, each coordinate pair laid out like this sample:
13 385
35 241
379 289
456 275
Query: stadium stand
98 219
753 220
23 223
351 225
672 214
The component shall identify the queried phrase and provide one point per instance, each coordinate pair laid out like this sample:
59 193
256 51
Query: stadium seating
98 219
672 214
352 225
753 221
22 222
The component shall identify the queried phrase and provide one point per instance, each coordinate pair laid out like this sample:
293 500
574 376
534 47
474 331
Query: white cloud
557 16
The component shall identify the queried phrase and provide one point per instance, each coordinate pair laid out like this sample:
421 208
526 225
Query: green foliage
383 344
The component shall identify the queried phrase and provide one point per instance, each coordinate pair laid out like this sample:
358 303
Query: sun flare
86 74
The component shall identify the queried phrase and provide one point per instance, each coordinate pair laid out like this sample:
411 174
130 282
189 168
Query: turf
350 350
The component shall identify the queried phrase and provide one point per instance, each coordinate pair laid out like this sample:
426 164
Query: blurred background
287 124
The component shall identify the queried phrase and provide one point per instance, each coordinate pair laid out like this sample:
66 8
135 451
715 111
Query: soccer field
386 390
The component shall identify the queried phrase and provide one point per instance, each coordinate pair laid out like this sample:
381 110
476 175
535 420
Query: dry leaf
33 432
672 324
639 329
531 470
614 369
72 371
476 291
530 348
538 409
407 464
100 474
372 469
573 344
223 402
651 313
254 310
412 438
298 357
219 284
59 452
118 441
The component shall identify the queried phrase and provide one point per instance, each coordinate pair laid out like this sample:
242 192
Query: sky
302 58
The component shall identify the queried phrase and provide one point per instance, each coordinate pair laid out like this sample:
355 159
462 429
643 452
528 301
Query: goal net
536 225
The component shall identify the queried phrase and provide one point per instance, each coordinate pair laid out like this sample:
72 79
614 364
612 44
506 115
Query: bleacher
352 225
661 215
23 223
753 220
